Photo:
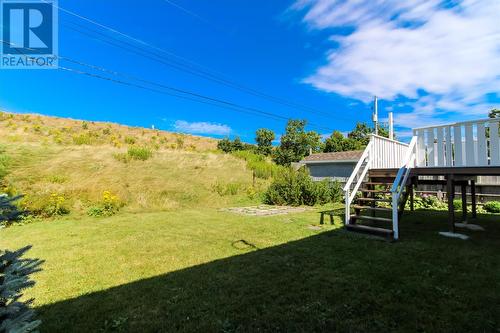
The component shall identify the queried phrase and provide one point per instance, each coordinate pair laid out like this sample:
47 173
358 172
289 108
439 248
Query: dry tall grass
172 178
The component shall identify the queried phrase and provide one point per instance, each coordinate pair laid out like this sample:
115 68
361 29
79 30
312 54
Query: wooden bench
330 213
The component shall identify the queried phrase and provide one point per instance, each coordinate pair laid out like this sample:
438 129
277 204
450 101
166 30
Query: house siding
339 171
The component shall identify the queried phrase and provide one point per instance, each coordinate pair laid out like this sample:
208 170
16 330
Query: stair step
375 191
370 230
378 209
378 183
371 218
374 200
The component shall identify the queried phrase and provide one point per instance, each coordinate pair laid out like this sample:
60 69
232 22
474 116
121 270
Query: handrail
485 120
358 166
365 158
400 183
407 163
390 140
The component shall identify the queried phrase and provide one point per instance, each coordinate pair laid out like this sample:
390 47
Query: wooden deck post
450 191
474 199
412 197
463 189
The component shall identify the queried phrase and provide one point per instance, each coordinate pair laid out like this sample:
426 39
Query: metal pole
375 114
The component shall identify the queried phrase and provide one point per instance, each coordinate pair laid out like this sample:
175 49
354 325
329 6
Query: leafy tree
237 144
361 133
225 145
296 143
228 146
338 142
264 138
494 113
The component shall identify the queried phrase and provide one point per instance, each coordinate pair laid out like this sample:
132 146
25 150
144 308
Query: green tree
237 144
361 133
16 314
296 143
225 145
264 138
338 142
494 113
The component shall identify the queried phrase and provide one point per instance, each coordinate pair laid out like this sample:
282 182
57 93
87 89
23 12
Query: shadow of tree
334 281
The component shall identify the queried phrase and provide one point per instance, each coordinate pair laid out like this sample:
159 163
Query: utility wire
172 91
203 69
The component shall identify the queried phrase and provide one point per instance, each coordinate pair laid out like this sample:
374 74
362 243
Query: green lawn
209 271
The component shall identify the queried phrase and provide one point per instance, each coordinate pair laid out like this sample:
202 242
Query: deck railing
466 144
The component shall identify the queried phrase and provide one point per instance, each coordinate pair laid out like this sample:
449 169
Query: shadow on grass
334 281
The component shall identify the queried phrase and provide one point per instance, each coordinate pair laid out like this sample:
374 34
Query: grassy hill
78 161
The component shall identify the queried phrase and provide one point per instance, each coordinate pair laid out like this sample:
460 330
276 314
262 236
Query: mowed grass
204 270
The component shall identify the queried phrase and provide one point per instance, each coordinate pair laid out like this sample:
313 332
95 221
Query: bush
56 206
296 188
457 204
139 153
492 207
262 166
130 140
109 205
82 139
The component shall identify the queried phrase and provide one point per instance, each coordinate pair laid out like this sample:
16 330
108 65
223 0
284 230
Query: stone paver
264 210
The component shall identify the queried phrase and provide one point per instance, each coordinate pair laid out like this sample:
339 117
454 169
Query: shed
336 166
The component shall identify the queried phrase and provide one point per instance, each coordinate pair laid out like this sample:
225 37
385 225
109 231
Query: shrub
85 125
130 140
109 205
296 188
492 207
122 157
457 204
261 165
82 139
227 189
180 143
16 314
56 206
139 153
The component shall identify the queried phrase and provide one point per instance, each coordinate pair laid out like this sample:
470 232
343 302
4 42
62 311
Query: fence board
457 140
482 145
494 144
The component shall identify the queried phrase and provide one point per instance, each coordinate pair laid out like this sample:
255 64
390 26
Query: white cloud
202 128
410 49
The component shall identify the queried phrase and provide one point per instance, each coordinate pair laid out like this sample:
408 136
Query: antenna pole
391 126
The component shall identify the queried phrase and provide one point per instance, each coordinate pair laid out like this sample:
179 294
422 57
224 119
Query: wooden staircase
373 205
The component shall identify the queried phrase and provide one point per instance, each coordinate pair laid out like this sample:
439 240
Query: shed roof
343 156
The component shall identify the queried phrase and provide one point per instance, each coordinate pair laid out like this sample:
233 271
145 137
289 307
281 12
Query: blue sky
429 61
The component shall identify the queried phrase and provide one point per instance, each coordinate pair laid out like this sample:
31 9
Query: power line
204 70
182 93
187 11
172 91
